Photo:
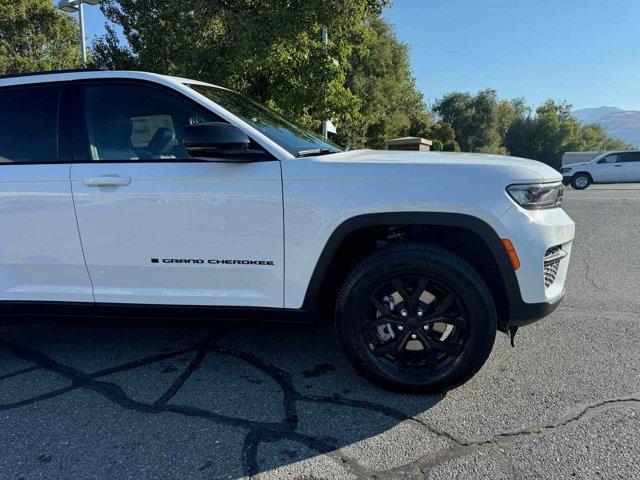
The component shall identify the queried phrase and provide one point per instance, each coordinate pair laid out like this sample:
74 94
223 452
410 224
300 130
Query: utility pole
325 41
72 6
83 41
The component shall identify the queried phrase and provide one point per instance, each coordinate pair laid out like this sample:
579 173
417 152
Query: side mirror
220 142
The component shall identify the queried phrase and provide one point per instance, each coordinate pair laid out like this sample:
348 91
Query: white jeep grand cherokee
129 193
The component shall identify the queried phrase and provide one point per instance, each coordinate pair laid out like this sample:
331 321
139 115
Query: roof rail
31 74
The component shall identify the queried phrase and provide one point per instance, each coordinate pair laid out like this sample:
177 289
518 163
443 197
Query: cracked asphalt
113 402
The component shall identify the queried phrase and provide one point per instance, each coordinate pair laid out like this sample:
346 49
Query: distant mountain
623 124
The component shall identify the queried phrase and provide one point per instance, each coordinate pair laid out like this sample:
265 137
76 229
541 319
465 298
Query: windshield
295 139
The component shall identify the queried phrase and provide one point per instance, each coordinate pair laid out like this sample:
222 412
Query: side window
631 157
613 158
137 122
29 125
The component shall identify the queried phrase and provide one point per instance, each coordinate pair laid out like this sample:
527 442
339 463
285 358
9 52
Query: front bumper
537 287
525 313
533 233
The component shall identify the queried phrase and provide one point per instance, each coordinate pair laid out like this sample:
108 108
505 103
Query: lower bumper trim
526 313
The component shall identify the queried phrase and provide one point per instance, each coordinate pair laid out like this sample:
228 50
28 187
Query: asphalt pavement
113 402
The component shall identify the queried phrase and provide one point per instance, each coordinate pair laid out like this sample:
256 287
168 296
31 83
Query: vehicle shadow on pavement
199 403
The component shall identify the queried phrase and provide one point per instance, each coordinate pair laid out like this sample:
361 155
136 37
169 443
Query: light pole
327 126
72 6
324 34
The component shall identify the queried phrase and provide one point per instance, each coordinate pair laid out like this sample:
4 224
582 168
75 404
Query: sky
586 52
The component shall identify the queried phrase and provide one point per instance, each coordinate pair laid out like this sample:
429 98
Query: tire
581 180
454 357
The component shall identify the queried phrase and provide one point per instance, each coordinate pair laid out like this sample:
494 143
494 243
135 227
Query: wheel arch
505 286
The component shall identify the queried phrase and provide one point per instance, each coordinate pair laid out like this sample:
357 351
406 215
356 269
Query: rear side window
29 125
631 157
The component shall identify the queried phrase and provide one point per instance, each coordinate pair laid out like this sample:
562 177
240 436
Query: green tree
34 35
552 131
483 123
455 109
507 112
443 137
270 50
595 138
475 119
379 76
555 131
441 134
519 137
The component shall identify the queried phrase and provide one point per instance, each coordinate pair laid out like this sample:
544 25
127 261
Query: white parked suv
609 167
133 194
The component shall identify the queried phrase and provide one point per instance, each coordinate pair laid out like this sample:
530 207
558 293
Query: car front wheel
580 181
416 318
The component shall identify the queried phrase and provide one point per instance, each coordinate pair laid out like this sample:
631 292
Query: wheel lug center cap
412 322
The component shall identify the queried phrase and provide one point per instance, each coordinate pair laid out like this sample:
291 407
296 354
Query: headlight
537 195
565 169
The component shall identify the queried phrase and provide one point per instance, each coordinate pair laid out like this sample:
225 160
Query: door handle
107 181
617 165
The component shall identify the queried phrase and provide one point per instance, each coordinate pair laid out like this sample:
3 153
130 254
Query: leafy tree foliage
34 35
595 138
475 119
443 137
379 76
485 124
552 131
272 51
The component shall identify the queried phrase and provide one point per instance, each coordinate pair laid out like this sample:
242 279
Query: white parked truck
133 194
608 167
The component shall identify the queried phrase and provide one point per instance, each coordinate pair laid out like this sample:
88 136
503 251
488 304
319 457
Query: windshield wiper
316 152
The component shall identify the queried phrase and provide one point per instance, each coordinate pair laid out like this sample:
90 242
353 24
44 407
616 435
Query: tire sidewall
576 177
472 291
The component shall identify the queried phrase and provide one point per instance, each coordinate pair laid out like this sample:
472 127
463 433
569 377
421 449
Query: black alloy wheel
414 326
416 317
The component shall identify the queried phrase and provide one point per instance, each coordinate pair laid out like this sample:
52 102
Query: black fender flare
474 224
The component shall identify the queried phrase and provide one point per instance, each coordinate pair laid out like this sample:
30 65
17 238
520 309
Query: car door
631 168
40 253
608 169
158 227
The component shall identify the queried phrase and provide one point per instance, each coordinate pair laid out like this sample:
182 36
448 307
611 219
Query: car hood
521 169
577 164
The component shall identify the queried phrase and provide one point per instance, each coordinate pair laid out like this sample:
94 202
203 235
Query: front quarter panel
321 193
